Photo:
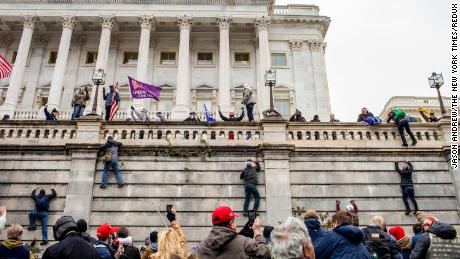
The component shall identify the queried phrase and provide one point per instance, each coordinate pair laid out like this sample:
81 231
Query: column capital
317 44
30 21
146 21
5 40
296 44
69 22
107 21
263 22
224 22
184 22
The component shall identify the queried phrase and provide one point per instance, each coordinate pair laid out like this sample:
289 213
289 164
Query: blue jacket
345 241
49 116
314 229
43 206
103 250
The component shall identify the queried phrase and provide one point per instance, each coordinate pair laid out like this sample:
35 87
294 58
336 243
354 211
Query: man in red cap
104 235
223 241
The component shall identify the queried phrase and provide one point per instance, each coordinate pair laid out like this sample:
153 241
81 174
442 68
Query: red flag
114 106
5 67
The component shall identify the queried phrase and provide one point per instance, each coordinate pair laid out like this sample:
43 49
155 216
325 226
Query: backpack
107 157
399 113
372 120
42 203
378 246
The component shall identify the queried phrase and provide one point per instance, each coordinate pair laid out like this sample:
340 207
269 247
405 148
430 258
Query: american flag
114 107
5 67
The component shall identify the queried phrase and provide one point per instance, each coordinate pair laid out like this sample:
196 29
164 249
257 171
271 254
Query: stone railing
182 131
295 10
157 2
318 135
37 130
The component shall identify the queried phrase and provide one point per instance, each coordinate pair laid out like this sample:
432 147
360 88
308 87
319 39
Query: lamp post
98 79
270 81
436 81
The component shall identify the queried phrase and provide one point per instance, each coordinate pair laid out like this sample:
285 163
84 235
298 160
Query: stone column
107 22
263 92
305 98
33 74
70 78
224 64
323 102
182 107
11 100
277 183
81 180
54 98
146 23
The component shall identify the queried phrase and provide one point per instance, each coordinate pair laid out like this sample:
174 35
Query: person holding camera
110 160
249 176
223 240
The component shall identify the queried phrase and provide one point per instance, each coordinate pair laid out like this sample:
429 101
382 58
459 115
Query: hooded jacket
314 229
115 145
345 241
374 229
406 175
73 246
443 235
224 243
80 98
247 97
11 248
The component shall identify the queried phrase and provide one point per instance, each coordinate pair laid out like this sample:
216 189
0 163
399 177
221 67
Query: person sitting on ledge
192 117
315 118
364 114
431 118
332 118
297 117
232 116
139 116
51 116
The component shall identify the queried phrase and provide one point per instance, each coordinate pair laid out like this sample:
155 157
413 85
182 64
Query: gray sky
381 48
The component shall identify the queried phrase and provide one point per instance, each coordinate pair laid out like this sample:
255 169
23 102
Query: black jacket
131 252
73 246
48 198
441 230
232 118
295 118
89 238
406 175
249 174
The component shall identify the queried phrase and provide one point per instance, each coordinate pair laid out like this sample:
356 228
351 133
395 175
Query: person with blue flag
209 117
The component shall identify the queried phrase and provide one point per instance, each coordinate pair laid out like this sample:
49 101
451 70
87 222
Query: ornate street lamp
270 81
436 81
98 79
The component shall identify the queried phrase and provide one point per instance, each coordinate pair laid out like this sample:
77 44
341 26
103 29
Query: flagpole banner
141 90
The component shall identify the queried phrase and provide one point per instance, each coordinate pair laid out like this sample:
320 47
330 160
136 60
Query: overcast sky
381 48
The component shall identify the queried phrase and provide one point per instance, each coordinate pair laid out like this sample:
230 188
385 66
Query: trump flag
141 90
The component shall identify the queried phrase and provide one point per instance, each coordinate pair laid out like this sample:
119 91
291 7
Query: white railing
33 130
158 2
40 114
295 10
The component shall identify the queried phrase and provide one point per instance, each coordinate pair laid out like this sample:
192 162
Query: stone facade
411 104
200 53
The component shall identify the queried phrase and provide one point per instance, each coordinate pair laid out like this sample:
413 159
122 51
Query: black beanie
153 236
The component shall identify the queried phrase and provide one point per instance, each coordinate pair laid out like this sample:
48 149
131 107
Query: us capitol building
199 51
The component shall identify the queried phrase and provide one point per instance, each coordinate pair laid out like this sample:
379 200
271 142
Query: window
282 106
168 58
242 58
204 58
279 60
130 58
91 57
13 57
52 57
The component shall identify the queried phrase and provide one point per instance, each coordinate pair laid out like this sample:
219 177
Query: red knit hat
397 232
222 214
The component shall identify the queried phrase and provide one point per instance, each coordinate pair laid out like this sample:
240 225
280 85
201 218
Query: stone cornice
320 23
